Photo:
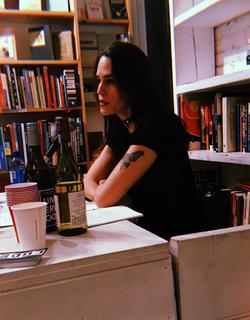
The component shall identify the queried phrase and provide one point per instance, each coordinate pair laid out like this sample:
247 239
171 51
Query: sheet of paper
95 216
100 216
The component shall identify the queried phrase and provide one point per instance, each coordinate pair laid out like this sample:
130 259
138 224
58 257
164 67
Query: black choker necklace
128 121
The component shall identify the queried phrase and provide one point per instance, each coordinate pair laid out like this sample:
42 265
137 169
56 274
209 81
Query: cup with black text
30 223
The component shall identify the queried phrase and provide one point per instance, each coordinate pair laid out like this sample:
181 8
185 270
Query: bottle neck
65 145
34 152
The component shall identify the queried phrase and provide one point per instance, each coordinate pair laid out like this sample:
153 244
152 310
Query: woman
145 155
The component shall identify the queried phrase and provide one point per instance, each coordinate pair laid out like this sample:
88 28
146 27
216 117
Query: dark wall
158 46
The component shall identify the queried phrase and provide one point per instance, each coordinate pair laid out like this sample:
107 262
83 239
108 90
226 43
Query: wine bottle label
70 207
47 195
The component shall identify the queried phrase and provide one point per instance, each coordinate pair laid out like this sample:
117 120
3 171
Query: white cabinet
114 271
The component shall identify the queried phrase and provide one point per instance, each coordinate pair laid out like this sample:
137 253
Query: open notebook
97 216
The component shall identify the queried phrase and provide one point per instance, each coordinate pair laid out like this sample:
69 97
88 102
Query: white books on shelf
31 5
57 5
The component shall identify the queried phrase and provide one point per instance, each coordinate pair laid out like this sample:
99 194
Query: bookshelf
209 43
194 66
102 32
19 22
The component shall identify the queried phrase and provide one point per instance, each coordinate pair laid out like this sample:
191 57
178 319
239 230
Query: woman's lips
103 103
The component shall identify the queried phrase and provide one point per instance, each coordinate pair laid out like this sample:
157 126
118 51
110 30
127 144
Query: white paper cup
30 224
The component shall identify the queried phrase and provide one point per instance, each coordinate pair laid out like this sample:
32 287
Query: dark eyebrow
106 76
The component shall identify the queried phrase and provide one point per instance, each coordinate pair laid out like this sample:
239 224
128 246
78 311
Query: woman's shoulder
162 120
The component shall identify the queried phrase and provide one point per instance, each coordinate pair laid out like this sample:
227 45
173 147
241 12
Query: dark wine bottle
37 171
69 192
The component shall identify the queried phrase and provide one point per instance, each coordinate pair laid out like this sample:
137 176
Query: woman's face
109 96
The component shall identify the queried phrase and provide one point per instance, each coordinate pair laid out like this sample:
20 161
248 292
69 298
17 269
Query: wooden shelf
104 21
35 110
39 62
210 84
231 157
211 13
25 16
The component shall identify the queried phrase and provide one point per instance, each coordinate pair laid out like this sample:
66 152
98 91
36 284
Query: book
3 101
47 86
6 91
190 115
107 9
246 216
7 47
118 9
11 4
81 9
3 160
218 101
229 123
21 258
66 45
11 86
40 40
32 5
94 9
7 143
27 89
71 88
57 5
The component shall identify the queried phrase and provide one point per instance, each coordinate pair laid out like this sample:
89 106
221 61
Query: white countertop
101 248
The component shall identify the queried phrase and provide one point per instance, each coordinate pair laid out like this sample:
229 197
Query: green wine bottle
69 192
37 170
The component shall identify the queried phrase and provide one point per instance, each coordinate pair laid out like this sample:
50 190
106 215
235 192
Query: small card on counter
21 258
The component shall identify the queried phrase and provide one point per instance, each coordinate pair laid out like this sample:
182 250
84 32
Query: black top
166 194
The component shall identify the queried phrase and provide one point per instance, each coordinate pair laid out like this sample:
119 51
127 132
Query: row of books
38 87
43 43
36 5
13 138
224 206
115 9
220 123
102 9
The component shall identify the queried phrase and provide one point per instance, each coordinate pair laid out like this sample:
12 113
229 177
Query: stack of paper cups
19 193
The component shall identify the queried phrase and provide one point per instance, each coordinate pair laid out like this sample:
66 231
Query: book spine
47 86
27 89
3 160
2 94
218 98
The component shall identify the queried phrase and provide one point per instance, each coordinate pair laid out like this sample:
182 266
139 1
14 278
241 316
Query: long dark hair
135 79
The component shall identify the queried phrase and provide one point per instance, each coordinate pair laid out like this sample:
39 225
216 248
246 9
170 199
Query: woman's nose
100 88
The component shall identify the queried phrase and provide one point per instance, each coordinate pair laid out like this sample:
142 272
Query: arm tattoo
131 157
